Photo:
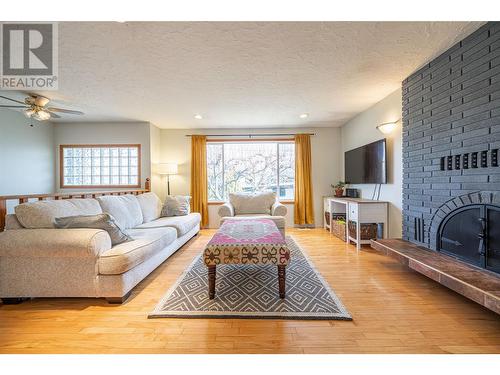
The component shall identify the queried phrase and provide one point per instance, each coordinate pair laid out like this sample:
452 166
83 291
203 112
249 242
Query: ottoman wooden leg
281 280
211 281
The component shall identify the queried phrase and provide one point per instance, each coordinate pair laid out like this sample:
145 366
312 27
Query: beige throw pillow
176 205
102 221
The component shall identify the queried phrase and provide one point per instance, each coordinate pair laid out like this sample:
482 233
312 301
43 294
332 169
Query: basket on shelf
368 230
338 216
327 218
338 229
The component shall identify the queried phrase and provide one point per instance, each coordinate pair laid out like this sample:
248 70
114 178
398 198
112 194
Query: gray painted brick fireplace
451 134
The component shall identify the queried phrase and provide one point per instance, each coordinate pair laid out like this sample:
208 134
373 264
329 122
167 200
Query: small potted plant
339 189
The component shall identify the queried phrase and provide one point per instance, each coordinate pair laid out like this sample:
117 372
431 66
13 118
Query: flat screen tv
366 164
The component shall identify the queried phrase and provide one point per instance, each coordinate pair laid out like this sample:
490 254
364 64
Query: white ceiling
240 74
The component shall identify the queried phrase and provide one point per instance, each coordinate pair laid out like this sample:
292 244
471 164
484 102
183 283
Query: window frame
256 140
104 145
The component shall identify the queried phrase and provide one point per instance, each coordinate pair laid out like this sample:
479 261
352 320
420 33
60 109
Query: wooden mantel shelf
474 283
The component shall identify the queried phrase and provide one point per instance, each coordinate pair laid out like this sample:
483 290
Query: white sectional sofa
37 260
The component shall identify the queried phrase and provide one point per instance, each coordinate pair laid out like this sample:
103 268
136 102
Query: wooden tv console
360 211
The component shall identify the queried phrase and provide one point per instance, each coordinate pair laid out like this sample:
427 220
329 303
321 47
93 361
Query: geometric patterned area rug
251 291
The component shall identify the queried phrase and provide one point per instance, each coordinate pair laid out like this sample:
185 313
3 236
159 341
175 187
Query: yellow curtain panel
304 212
199 189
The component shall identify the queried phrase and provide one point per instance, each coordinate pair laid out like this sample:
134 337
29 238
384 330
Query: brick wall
451 130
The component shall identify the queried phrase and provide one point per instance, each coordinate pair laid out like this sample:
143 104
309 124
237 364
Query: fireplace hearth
472 234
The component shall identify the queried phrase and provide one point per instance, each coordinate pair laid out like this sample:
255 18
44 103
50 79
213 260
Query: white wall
155 145
106 132
27 157
362 130
176 148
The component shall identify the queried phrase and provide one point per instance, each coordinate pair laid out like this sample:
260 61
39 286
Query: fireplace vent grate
419 229
469 160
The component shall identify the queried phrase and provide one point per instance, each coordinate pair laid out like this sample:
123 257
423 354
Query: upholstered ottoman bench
247 242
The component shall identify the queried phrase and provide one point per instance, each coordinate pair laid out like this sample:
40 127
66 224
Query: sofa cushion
41 214
278 220
124 208
176 205
252 204
183 224
102 221
145 244
150 206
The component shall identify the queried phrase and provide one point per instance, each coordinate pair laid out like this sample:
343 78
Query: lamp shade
167 168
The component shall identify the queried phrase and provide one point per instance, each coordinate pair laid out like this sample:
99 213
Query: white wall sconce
168 169
388 127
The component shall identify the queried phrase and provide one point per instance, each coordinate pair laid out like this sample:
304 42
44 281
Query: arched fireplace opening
472 234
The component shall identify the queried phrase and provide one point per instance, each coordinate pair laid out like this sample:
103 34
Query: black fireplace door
472 233
493 239
459 235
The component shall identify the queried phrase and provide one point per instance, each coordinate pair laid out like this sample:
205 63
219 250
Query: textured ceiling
240 74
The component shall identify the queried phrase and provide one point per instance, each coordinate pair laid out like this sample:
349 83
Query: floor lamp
167 169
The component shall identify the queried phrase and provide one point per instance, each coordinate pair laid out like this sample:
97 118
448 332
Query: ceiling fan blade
13 106
53 115
62 110
12 100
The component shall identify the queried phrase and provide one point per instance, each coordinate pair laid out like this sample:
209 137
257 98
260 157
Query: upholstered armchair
261 205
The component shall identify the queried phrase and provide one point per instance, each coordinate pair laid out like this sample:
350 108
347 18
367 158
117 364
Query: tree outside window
248 167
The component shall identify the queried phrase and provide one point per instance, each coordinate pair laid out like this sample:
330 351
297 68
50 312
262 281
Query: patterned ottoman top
251 231
252 241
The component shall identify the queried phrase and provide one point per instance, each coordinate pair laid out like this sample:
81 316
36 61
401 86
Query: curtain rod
251 135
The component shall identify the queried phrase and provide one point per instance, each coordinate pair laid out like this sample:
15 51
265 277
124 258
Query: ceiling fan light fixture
34 107
41 115
41 101
28 112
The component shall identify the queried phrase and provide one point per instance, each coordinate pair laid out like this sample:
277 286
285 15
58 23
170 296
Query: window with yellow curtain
199 191
303 204
250 167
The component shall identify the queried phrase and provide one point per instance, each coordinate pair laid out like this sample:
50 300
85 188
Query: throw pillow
176 205
102 221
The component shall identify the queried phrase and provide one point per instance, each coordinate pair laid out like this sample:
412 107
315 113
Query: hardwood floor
395 310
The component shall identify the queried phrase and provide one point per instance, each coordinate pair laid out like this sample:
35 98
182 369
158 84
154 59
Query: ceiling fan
35 106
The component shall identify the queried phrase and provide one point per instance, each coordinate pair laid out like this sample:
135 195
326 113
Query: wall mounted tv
366 164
